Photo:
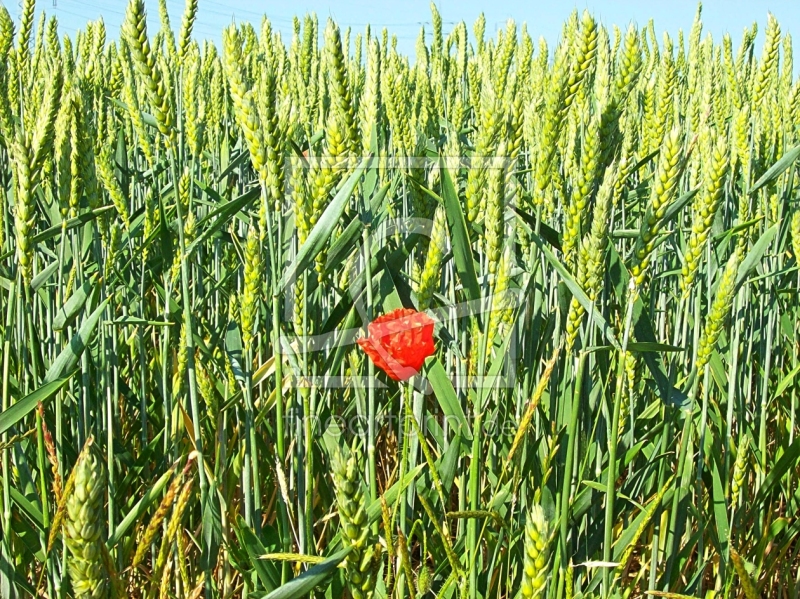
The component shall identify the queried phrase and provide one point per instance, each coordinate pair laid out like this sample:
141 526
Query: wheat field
309 317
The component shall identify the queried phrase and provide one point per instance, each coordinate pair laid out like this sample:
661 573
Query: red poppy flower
399 342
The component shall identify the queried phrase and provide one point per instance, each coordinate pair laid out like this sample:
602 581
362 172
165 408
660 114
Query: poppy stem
414 411
405 397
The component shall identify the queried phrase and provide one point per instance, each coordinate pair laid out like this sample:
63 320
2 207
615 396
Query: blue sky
404 17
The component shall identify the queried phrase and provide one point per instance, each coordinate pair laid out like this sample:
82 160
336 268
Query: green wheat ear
84 530
534 573
364 558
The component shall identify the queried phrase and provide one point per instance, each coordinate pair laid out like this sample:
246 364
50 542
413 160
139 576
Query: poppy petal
399 342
